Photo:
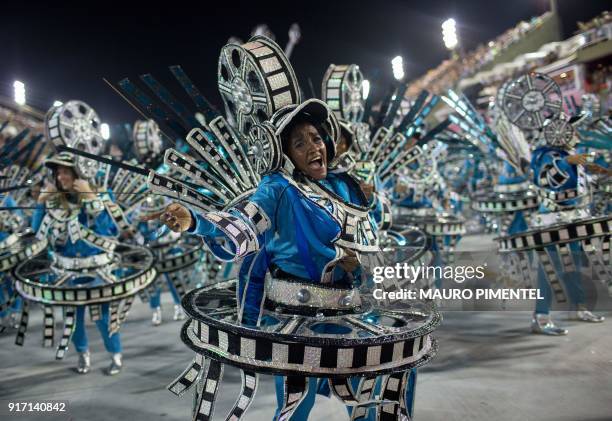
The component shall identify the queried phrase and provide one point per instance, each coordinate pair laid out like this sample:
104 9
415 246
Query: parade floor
489 367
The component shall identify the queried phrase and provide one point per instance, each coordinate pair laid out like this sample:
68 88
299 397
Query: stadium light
57 103
20 93
105 131
449 33
365 88
398 67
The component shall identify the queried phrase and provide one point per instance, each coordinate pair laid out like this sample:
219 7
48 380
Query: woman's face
307 151
65 178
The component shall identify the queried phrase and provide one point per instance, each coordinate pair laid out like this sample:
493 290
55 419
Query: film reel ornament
40 279
264 149
255 80
343 91
560 133
369 341
76 125
147 140
532 99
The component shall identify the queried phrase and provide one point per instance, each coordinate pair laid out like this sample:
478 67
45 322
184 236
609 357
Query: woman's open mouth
316 163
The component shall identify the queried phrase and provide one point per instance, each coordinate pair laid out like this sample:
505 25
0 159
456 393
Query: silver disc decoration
75 124
255 80
343 91
560 133
147 140
264 149
532 99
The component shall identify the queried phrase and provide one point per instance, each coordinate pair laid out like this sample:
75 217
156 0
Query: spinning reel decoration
530 100
255 80
343 91
76 125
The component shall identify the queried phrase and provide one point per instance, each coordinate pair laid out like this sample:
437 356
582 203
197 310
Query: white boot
84 363
116 364
179 314
156 320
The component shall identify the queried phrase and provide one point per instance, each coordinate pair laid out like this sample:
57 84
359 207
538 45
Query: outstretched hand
176 217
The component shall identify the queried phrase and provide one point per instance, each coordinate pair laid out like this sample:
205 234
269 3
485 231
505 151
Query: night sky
63 52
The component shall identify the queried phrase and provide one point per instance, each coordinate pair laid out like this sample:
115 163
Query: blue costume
298 241
100 223
554 173
6 284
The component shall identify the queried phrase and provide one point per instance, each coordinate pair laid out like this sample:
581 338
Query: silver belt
80 263
303 294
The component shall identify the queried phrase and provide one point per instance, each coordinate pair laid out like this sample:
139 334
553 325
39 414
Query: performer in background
66 200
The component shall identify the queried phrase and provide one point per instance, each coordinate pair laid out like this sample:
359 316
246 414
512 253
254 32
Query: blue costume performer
260 193
563 235
85 265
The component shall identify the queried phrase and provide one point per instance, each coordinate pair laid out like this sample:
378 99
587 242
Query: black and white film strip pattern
55 295
205 406
443 228
177 279
593 249
9 302
247 393
69 325
567 258
95 312
365 394
48 326
574 231
387 213
125 309
553 278
328 359
181 261
113 326
23 323
498 205
188 377
253 213
391 390
342 389
222 188
379 138
525 268
239 233
9 261
295 388
219 126
174 188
